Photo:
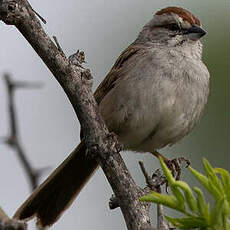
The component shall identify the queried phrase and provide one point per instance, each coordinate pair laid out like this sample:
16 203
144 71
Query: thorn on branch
58 46
27 85
11 85
10 141
114 202
39 16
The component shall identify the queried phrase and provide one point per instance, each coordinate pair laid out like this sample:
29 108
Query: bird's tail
58 191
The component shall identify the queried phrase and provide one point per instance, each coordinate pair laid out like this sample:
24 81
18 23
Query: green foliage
197 213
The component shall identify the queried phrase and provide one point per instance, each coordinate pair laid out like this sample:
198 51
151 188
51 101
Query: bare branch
161 223
13 139
154 183
148 179
97 138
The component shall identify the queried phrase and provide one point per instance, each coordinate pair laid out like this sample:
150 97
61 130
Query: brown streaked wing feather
115 73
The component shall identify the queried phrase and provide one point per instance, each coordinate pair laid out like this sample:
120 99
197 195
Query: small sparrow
152 97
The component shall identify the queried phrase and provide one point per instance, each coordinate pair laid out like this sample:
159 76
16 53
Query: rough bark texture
75 82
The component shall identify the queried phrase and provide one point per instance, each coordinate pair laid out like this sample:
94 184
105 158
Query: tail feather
59 190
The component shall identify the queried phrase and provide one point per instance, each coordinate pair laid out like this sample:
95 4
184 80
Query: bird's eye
173 27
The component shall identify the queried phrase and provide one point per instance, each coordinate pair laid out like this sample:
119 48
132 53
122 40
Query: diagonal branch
12 114
73 80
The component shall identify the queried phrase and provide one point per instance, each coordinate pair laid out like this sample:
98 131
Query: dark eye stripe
172 27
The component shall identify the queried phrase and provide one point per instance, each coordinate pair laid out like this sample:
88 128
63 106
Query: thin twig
13 139
154 183
39 16
27 85
148 179
58 45
161 223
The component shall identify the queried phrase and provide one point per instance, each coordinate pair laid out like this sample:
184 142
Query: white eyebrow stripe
184 23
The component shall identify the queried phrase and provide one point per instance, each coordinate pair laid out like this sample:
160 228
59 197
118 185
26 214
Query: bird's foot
175 166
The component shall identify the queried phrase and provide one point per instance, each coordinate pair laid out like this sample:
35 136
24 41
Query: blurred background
48 127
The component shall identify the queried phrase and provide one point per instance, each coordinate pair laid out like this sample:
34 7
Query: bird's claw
175 166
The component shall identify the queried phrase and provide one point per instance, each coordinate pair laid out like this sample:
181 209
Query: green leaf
164 199
213 179
176 192
225 222
206 183
203 208
225 176
188 222
216 214
201 217
200 177
178 195
191 201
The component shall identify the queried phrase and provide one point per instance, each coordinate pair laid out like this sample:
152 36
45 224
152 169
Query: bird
152 97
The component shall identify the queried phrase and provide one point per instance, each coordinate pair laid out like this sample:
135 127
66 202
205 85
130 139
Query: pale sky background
48 126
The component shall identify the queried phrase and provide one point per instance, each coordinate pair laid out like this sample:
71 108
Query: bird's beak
195 33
